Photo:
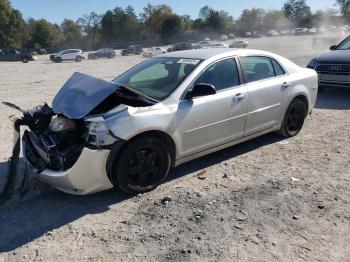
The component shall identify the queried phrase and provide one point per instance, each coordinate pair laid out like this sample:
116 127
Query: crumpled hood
336 56
81 94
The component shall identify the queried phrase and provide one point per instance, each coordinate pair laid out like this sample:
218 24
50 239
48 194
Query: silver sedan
166 111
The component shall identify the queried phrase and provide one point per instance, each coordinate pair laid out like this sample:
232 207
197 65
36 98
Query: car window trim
274 68
190 86
263 56
181 82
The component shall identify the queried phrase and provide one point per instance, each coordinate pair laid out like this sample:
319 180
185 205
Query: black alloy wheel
142 165
294 119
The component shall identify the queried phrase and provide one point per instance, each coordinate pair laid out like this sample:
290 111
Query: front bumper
334 80
88 175
323 83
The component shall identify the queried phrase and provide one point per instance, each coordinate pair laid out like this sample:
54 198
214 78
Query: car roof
205 54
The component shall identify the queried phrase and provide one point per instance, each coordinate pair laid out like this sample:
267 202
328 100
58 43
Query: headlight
313 64
60 124
99 134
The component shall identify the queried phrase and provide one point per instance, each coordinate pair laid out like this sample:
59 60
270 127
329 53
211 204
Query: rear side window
278 68
257 68
221 75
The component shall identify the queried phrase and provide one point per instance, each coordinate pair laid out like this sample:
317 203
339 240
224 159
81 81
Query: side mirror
333 47
201 90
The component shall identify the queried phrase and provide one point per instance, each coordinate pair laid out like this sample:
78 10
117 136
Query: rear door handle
285 85
238 97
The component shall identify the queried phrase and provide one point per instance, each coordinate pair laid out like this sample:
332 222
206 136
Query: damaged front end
69 144
55 145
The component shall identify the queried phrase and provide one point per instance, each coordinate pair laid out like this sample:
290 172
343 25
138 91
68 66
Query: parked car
231 36
102 53
76 55
239 44
153 52
217 45
272 33
182 46
223 37
248 34
41 51
129 132
15 55
287 32
300 31
203 44
256 34
333 67
132 50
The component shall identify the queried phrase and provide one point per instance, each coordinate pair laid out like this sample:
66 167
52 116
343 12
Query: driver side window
221 75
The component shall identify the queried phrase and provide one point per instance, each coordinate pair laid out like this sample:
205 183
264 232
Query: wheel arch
117 149
305 93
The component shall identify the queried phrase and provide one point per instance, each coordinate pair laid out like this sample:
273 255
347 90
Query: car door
209 121
12 56
269 88
66 55
102 53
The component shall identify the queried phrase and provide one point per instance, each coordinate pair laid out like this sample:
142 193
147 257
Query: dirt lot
265 200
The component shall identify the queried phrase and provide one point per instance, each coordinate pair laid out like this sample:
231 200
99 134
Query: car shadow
23 222
223 155
333 98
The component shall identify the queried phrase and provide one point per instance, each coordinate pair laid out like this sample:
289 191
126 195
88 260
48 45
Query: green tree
275 19
344 6
120 25
298 12
216 21
251 20
72 33
171 26
41 35
204 12
153 17
11 26
107 24
90 25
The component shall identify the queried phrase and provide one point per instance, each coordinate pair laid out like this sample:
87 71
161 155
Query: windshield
345 45
157 77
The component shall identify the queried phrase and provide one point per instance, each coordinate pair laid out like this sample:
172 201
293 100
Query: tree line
157 23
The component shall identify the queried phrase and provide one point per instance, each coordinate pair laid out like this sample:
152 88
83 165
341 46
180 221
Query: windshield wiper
138 96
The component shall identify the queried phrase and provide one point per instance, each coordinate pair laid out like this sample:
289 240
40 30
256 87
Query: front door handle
238 97
285 85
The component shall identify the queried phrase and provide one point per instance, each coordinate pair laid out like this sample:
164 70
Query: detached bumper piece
42 153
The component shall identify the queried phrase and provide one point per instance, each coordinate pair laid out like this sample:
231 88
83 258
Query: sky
56 10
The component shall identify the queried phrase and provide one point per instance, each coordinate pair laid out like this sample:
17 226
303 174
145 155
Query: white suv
67 55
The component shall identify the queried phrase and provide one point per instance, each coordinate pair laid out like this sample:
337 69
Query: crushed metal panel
81 94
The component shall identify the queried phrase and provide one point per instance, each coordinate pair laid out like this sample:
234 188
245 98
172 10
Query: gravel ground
268 199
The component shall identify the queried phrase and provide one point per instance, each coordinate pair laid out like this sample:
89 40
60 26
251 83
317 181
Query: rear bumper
88 175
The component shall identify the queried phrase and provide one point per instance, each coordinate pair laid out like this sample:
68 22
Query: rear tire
78 59
142 165
293 119
25 60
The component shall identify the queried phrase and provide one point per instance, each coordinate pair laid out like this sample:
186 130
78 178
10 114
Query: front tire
58 59
78 59
294 118
142 165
